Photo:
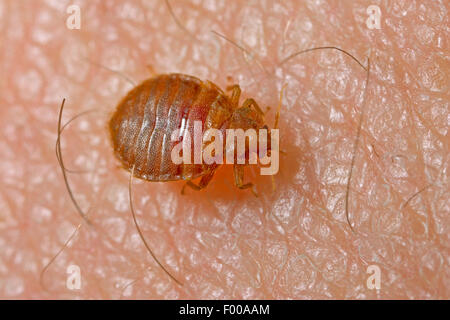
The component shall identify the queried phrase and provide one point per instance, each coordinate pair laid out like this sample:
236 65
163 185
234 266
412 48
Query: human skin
293 242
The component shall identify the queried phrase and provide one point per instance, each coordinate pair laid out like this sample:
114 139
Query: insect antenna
140 232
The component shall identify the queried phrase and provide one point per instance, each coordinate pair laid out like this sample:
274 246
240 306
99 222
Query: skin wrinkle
312 230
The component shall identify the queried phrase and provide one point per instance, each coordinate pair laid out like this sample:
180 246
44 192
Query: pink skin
223 242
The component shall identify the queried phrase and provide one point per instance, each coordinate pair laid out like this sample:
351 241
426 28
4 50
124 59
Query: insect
144 120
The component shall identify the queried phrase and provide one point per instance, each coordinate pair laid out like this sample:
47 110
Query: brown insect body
144 120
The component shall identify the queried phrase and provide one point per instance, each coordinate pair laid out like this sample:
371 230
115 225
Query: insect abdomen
144 120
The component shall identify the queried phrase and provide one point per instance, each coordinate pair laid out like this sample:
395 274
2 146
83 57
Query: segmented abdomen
144 120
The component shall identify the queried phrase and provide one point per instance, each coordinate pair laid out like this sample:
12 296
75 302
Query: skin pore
222 242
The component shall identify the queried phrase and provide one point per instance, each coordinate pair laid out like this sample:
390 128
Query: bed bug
145 118
142 124
142 121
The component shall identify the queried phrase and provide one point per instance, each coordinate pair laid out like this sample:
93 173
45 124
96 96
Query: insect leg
205 180
277 114
239 179
250 102
235 95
